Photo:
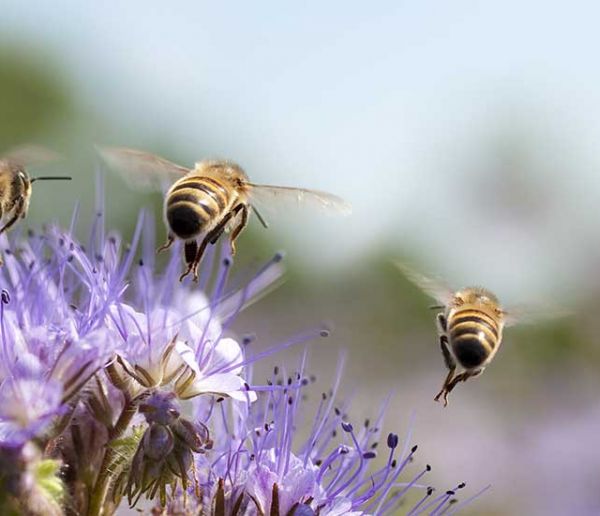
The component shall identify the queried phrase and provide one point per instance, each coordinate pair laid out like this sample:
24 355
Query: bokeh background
465 134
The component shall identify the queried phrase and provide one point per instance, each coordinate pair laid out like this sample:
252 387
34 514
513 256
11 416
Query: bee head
224 170
477 296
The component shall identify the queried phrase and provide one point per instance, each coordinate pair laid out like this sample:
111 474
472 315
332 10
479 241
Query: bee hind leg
451 365
241 225
463 377
193 254
19 212
167 244
216 233
190 249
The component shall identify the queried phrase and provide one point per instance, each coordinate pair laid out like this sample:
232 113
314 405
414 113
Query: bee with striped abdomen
204 202
15 183
469 327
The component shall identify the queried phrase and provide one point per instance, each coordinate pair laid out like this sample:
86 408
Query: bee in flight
15 183
469 327
204 202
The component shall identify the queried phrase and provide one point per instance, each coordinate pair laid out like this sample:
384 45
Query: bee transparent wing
436 289
140 169
525 314
31 155
271 197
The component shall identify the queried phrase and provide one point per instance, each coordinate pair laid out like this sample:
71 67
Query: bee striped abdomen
194 204
473 335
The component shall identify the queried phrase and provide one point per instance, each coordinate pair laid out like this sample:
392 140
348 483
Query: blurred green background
464 134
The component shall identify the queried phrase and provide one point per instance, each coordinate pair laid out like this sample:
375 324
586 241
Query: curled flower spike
165 452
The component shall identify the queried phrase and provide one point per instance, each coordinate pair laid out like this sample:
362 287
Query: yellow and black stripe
194 204
473 335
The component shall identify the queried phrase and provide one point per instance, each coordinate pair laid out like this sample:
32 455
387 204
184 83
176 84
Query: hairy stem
98 497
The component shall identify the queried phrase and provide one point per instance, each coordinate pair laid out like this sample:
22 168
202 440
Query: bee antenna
260 217
436 307
51 178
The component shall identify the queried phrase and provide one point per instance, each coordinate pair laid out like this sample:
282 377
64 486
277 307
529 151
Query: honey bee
15 183
469 328
204 202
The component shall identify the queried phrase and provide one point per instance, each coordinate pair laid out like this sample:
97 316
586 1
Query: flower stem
98 497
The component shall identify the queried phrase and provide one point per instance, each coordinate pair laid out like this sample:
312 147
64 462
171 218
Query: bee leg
199 255
444 390
450 364
216 233
190 249
210 238
167 244
193 259
463 377
238 229
442 323
19 212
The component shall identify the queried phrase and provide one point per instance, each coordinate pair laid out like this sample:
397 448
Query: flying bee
469 328
204 202
15 183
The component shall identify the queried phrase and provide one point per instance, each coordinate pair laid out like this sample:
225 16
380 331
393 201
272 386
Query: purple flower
27 407
158 350
123 383
264 469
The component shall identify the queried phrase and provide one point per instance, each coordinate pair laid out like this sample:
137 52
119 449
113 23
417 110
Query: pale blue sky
331 95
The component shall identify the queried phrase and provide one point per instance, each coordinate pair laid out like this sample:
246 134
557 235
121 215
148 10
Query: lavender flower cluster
119 387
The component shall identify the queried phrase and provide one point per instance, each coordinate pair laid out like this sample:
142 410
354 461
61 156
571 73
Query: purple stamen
293 341
320 422
460 505
439 501
401 493
217 292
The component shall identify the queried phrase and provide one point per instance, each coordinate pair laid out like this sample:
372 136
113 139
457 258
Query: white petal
259 486
184 354
197 307
341 507
225 384
244 396
226 353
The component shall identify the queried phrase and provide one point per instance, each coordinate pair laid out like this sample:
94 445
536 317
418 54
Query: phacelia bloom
263 469
118 383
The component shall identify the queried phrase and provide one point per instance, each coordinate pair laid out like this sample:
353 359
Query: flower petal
224 384
226 352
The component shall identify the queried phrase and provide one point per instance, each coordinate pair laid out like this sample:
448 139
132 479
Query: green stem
98 497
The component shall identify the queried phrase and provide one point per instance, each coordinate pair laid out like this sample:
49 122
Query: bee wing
524 314
31 155
272 196
140 169
434 288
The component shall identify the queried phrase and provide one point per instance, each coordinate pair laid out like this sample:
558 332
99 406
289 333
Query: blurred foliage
33 100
